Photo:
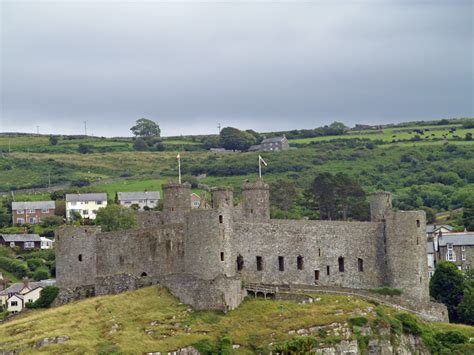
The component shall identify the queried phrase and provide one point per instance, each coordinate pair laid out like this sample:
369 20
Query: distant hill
151 320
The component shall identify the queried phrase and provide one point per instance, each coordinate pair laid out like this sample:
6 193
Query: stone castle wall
203 255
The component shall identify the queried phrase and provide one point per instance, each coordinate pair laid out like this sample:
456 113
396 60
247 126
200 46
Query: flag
261 159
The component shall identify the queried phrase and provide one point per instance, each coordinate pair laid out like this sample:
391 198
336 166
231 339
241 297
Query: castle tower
176 202
222 197
256 200
380 204
405 253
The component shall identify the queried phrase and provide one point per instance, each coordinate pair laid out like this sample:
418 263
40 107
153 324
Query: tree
47 296
146 128
468 214
235 139
140 144
446 286
60 208
116 217
84 149
53 140
51 221
466 307
41 273
283 195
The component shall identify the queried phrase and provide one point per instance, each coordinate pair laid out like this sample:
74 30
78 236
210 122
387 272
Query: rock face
48 341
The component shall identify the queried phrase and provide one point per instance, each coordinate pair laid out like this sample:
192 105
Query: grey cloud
265 66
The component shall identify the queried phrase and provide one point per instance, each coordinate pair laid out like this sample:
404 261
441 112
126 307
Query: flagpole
259 167
179 169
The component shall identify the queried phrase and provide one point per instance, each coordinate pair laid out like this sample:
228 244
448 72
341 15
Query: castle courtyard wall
319 243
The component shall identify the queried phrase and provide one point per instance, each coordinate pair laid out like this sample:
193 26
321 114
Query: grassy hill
150 319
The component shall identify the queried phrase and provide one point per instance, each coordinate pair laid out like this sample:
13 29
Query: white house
46 243
85 204
18 295
149 199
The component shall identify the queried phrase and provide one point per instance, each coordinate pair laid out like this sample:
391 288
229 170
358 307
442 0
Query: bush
16 267
51 221
47 296
410 324
358 321
451 337
41 273
297 345
35 263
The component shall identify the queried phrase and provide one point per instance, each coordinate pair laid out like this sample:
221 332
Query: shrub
16 267
47 296
34 263
410 323
51 221
358 321
41 273
297 345
451 337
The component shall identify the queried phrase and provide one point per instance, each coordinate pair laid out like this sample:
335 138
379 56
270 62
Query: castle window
341 264
299 262
319 251
360 264
418 223
328 269
316 275
251 210
222 256
79 257
144 274
240 263
221 219
168 246
259 263
281 263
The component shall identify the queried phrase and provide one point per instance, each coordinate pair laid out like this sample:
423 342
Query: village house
433 230
457 248
85 204
195 200
144 200
15 297
22 241
271 144
46 243
31 212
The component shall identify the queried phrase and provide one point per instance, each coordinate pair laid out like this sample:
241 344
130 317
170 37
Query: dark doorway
240 263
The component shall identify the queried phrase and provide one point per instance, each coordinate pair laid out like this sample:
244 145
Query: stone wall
320 244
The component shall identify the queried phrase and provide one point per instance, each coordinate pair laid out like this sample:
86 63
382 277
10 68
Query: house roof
33 205
17 295
99 196
430 228
145 195
273 140
20 237
17 287
465 238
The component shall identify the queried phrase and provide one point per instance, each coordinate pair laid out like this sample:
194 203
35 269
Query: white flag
261 159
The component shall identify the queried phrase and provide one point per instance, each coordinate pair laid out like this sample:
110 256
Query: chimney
25 282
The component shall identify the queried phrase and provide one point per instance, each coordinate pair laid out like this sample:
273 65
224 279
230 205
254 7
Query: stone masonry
205 256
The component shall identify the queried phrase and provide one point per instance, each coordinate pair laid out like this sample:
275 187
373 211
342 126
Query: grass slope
151 319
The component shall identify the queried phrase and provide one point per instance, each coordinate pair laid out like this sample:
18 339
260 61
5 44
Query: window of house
14 303
32 220
31 211
12 244
281 263
85 212
259 263
341 264
299 262
29 245
328 270
128 202
360 264
44 210
450 256
240 263
463 256
99 202
20 211
20 220
73 203
463 248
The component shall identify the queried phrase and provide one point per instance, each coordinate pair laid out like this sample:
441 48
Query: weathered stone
48 341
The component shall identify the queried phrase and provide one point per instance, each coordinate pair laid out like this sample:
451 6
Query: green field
389 135
150 320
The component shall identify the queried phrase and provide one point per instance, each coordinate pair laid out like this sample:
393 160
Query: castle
206 256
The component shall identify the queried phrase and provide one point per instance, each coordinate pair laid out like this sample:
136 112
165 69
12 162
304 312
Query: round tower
256 200
380 205
176 197
222 197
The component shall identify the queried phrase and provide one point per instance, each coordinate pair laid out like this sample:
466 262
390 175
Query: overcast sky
260 65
